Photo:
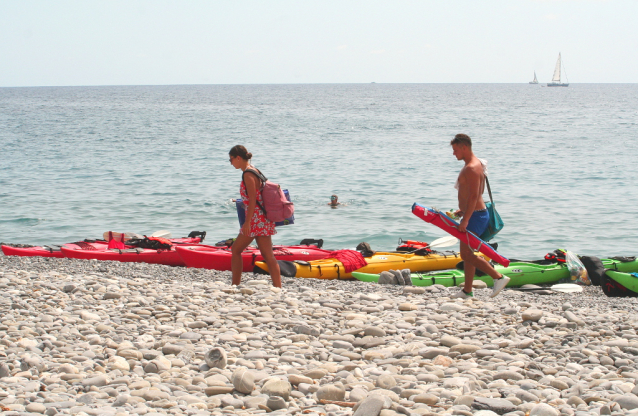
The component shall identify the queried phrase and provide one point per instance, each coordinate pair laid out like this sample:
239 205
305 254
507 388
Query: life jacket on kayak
413 246
154 243
557 256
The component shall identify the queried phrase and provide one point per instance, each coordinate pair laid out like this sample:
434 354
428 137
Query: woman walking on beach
256 226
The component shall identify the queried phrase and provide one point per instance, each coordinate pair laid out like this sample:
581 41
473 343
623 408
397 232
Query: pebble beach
107 338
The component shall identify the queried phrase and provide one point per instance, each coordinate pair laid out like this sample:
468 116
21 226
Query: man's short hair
463 139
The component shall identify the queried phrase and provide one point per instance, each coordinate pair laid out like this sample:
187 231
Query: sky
167 42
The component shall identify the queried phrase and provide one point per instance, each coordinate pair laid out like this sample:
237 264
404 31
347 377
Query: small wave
24 221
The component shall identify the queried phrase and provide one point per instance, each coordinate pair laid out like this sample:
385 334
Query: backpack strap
256 172
263 180
489 190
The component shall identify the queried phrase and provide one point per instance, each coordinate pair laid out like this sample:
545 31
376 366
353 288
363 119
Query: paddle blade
162 234
444 242
567 288
128 236
118 236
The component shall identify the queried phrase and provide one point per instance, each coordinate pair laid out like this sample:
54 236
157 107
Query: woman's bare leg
237 265
265 246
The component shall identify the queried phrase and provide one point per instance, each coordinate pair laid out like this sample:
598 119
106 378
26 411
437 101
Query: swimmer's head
334 200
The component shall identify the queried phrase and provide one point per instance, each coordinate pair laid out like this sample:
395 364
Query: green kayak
621 264
520 273
628 280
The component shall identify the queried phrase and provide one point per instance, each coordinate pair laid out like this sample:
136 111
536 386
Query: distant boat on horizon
556 82
534 81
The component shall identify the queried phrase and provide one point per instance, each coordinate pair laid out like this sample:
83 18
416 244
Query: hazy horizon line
542 84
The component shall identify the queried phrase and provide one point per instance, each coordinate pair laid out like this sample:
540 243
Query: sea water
78 161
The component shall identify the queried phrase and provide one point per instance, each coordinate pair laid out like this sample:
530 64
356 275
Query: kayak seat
128 250
200 234
623 259
286 268
52 248
312 242
365 249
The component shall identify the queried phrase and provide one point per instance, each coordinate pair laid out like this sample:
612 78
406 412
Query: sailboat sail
556 77
535 80
556 82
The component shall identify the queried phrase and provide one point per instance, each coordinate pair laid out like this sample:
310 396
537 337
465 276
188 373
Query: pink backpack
276 206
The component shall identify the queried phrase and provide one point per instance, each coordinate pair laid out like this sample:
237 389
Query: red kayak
207 257
135 251
168 257
446 223
89 245
52 251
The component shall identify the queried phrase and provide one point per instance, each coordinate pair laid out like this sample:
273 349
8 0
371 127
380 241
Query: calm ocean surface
78 161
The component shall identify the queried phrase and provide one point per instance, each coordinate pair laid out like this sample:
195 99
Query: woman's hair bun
240 151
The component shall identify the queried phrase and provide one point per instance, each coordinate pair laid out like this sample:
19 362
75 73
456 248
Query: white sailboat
534 81
556 82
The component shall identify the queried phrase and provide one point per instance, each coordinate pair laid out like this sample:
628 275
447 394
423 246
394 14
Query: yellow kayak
377 263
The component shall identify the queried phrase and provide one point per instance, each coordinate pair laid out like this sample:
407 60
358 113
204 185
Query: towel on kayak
351 259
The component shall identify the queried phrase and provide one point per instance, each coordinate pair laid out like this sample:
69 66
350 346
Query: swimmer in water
334 201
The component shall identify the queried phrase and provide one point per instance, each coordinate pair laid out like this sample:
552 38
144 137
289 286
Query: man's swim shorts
478 222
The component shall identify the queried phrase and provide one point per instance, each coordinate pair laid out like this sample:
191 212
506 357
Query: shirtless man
471 185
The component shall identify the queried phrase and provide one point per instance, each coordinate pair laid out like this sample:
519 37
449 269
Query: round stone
277 387
533 315
35 408
374 331
429 399
243 380
216 358
331 392
386 382
276 403
543 409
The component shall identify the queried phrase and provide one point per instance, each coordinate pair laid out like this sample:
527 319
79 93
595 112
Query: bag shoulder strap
263 179
255 172
489 190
